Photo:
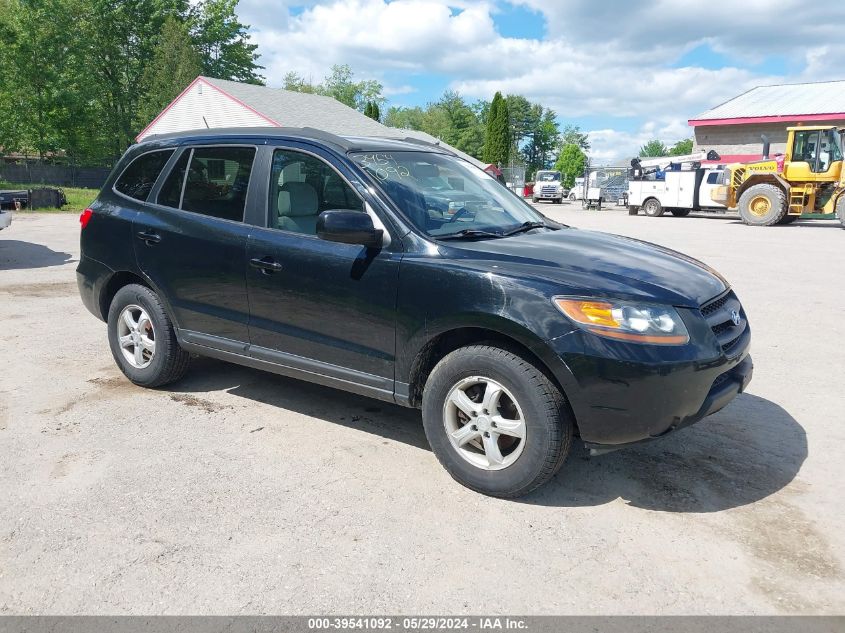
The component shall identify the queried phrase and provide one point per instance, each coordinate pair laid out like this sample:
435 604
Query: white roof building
733 128
215 103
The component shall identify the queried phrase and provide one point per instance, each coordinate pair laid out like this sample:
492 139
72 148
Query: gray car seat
298 208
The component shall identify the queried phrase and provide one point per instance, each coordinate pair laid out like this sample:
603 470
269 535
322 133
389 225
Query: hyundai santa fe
395 269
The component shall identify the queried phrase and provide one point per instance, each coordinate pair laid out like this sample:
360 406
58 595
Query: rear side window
215 184
138 179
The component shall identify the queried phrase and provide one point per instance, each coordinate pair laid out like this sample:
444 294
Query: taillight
85 217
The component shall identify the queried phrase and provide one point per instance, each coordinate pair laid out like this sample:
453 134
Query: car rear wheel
142 338
495 421
680 213
762 205
653 208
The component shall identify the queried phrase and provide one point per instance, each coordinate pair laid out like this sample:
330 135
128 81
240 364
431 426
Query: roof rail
419 141
325 136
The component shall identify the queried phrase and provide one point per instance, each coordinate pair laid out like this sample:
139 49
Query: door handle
148 237
266 265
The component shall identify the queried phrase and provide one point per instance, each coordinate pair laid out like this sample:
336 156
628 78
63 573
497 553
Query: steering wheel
459 214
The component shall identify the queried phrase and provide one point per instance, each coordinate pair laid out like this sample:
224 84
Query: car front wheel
495 421
142 338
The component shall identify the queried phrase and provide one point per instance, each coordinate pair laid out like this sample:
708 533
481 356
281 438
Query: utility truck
807 178
678 184
548 186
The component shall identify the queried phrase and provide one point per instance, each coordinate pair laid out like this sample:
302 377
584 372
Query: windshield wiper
526 226
468 233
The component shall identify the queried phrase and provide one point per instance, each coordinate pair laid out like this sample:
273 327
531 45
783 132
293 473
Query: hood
589 263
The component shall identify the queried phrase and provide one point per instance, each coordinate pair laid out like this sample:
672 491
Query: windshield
443 195
547 176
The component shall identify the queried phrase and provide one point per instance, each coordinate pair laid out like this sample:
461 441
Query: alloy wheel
136 336
484 423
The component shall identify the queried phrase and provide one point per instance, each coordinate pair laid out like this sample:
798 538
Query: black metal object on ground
47 198
14 199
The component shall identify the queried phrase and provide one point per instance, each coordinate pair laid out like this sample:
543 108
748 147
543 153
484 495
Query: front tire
762 205
142 338
653 208
495 421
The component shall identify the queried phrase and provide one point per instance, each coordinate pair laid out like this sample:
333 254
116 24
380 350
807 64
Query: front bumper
726 387
623 394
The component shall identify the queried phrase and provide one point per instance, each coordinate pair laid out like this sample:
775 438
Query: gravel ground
237 492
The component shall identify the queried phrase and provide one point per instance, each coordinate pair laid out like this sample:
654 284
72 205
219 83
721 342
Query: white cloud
611 59
392 91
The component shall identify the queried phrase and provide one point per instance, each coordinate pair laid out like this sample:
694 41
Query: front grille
548 190
709 308
719 316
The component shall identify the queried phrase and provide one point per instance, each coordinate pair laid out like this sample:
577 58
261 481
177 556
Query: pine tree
497 141
489 141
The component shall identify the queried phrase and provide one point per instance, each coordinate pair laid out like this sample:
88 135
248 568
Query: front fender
437 296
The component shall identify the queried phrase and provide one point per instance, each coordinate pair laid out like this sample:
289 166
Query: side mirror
348 227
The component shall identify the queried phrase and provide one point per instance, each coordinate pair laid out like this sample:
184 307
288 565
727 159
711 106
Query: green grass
77 198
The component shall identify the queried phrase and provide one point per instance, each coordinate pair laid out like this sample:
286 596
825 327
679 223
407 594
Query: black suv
397 270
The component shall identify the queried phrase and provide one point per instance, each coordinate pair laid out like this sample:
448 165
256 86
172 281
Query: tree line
80 78
507 129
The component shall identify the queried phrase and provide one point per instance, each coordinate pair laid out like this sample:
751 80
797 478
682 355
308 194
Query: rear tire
460 439
681 213
762 205
788 219
146 352
653 208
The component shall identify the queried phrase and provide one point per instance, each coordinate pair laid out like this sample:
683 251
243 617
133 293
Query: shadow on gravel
17 255
746 452
356 412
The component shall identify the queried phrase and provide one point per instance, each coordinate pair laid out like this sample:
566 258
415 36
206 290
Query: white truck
548 186
678 191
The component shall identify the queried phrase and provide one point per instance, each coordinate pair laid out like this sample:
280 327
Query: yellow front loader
808 178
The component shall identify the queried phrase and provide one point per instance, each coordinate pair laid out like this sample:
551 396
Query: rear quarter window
138 178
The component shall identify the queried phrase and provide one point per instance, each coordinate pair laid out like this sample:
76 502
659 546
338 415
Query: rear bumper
91 277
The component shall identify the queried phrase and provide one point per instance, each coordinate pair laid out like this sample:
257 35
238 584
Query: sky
624 71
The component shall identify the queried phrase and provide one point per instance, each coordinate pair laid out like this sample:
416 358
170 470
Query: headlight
637 323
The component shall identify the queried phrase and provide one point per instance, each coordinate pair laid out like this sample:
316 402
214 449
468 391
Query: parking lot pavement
236 492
